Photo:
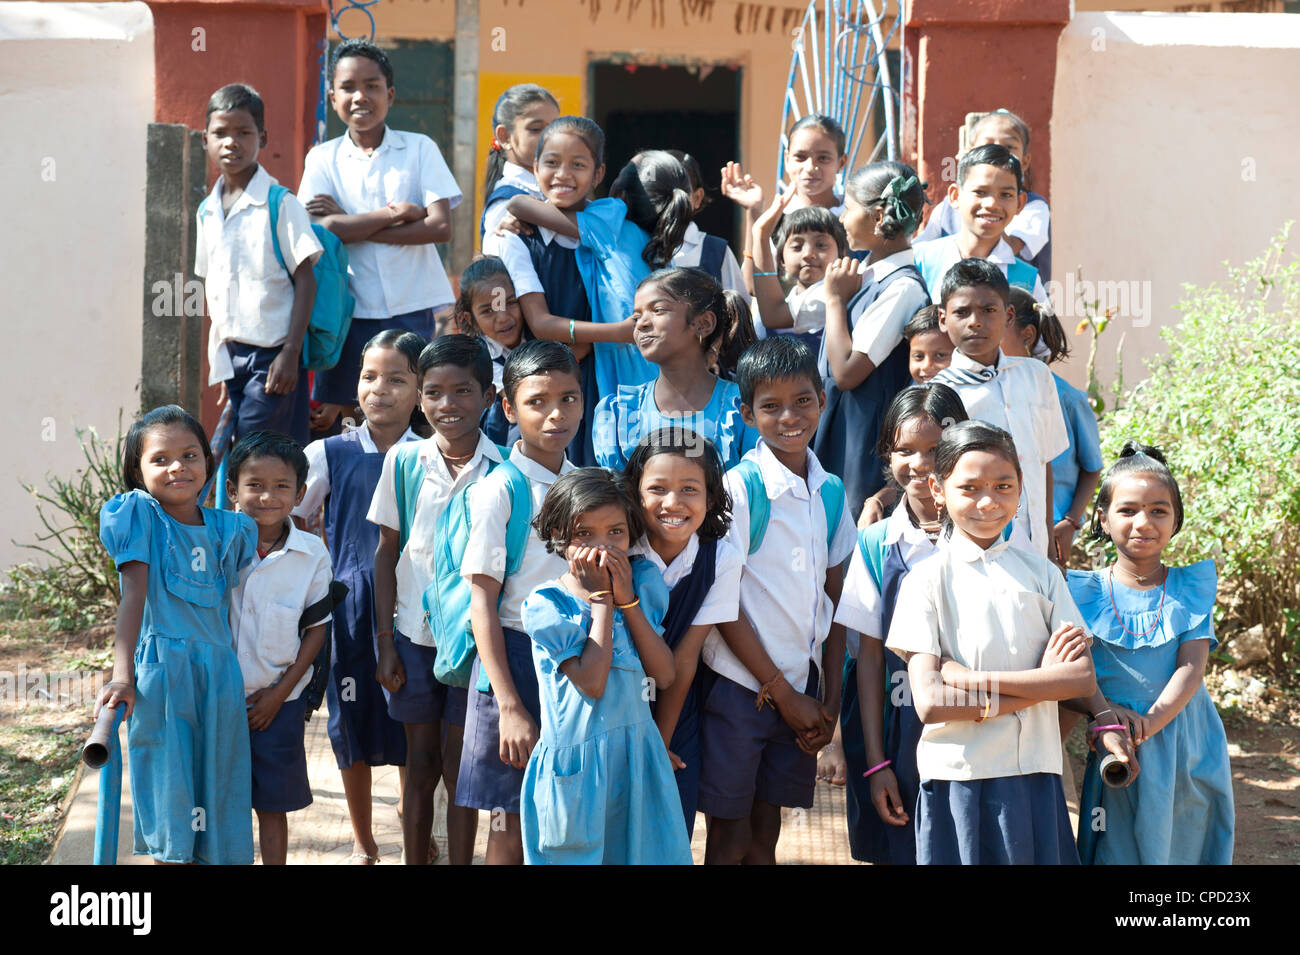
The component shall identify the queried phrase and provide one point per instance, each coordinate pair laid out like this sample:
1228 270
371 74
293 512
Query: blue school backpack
331 311
446 600
760 509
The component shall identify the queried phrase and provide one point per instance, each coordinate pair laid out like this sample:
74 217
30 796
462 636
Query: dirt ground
43 727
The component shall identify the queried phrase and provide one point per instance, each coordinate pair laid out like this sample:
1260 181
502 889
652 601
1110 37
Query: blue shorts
280 761
253 408
422 699
748 754
338 385
484 781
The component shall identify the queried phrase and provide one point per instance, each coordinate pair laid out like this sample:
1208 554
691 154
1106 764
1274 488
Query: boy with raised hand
1017 395
988 193
259 308
774 703
388 195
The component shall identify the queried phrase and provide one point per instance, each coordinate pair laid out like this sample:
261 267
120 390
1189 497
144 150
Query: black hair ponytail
509 105
657 191
895 186
1040 317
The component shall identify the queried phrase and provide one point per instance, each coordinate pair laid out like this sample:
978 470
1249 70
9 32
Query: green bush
1224 406
74 584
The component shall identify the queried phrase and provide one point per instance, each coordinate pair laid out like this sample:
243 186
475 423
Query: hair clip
496 146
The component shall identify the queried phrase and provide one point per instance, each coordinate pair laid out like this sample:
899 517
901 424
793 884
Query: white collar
495 348
900 527
256 193
965 549
1001 254
534 471
686 558
432 458
692 238
390 141
960 360
297 540
513 174
777 478
879 268
368 442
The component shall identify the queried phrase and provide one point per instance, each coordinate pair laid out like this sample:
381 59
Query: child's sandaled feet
360 858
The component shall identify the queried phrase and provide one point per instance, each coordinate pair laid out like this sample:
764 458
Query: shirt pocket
278 638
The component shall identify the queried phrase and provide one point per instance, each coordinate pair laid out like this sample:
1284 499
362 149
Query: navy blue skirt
1011 820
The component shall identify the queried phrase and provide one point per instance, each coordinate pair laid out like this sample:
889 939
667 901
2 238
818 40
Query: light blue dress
1084 452
191 778
1179 809
628 415
599 787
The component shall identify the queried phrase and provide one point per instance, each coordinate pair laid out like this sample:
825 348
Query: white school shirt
988 610
782 586
807 308
1030 225
1001 256
489 512
722 602
386 280
692 248
880 330
249 293
498 353
268 603
510 249
318 467
415 565
1022 400
799 202
512 174
861 608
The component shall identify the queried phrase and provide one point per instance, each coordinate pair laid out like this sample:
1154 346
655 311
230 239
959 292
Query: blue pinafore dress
871 839
846 438
557 270
191 775
360 728
684 602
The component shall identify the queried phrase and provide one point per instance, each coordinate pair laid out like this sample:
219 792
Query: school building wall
78 106
1174 147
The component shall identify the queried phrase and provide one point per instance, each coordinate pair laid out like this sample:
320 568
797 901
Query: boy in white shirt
1017 395
259 308
455 388
988 194
755 760
266 475
388 195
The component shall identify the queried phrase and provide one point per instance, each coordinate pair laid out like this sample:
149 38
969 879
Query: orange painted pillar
272 45
966 56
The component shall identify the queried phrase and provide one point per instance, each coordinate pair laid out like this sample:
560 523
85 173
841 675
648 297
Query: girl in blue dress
677 476
879 726
598 787
343 473
174 663
863 355
680 315
1154 629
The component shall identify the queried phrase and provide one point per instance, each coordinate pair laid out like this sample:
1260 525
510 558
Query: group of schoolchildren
599 539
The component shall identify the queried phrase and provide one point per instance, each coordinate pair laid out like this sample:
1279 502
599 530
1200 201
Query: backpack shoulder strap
274 195
1022 275
407 478
832 495
521 515
871 547
760 508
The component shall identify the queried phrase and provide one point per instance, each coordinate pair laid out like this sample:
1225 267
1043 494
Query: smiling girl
488 309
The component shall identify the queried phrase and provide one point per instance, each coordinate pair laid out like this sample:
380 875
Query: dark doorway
672 107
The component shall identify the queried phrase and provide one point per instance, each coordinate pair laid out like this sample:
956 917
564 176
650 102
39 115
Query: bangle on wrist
760 275
1098 730
749 255
877 768
1075 524
572 340
765 692
383 633
591 597
628 606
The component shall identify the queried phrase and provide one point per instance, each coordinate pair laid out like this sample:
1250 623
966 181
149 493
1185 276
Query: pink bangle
1096 730
877 767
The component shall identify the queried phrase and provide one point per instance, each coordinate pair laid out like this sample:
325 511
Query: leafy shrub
1224 406
75 584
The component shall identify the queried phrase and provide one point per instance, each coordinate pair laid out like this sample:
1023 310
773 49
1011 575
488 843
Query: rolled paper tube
1115 773
95 752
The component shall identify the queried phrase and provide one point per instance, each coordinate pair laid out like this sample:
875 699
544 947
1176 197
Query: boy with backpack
770 708
255 249
421 601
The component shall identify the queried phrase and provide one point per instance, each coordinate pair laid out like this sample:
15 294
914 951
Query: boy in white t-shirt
259 308
388 195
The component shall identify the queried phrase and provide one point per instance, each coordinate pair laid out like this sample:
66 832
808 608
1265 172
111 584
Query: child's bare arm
1186 680
540 213
545 325
656 658
282 376
590 671
938 702
800 711
772 306
686 661
389 671
849 368
433 226
266 703
517 728
1066 672
130 614
355 227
